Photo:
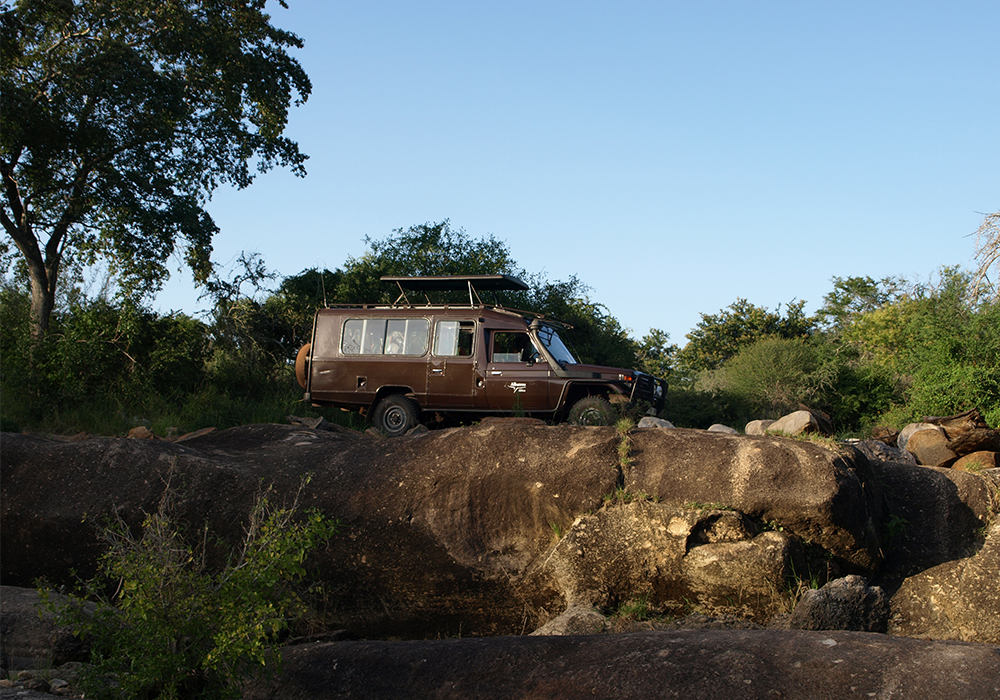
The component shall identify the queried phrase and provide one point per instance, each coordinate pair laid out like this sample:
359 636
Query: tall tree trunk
42 271
43 298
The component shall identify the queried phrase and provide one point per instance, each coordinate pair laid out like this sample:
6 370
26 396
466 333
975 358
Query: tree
855 296
427 249
774 375
438 249
719 337
121 117
988 254
655 353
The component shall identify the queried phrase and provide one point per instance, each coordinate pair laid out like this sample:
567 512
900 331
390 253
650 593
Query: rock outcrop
685 664
475 527
511 527
956 600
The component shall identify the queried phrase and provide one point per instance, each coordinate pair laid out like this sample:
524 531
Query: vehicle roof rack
457 283
472 283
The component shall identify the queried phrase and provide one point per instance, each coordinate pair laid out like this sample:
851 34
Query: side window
453 338
350 341
406 337
511 347
385 337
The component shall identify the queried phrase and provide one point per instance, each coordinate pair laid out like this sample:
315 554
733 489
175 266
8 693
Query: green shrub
174 629
773 375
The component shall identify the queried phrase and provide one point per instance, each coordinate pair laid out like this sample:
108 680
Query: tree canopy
718 337
120 117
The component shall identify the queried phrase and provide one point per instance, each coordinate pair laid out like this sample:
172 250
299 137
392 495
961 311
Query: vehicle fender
384 391
574 391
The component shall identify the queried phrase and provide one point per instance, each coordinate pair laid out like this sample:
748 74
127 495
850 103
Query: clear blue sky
675 156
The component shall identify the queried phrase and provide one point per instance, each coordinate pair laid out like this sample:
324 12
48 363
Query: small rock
905 433
141 432
39 684
720 428
651 422
758 427
847 603
977 462
931 448
878 451
797 423
884 433
578 619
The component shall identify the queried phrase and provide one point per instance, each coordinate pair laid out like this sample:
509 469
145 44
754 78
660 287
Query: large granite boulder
704 663
956 600
471 530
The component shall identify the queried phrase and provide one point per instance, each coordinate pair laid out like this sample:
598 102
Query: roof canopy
460 283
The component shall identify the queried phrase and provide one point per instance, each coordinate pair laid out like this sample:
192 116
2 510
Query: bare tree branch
988 255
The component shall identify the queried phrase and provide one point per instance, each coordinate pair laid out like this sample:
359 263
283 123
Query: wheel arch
574 391
389 390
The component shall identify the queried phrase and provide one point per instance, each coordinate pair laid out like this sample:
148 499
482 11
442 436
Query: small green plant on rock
895 526
634 608
976 466
173 629
624 428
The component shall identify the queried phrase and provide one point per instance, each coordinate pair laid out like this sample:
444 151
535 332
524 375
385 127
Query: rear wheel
396 414
592 410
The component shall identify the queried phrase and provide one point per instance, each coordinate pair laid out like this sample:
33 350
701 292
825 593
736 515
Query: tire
302 364
396 414
592 410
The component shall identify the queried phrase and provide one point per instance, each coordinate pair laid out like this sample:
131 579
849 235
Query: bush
774 375
173 629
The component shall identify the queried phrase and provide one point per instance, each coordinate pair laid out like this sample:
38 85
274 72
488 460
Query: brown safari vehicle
392 362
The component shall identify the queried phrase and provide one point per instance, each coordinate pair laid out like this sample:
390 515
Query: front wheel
592 410
396 414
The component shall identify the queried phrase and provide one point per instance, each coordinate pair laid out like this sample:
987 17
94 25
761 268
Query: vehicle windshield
555 345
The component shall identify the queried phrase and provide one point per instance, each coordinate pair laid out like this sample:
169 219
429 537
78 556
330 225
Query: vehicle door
517 378
451 379
378 351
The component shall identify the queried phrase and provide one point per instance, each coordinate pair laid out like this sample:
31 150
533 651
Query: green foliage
655 354
122 116
624 427
890 352
940 345
427 249
97 352
175 629
633 609
774 375
596 336
853 297
718 337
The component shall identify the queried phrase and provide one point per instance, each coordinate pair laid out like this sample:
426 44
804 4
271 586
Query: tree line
121 117
878 352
